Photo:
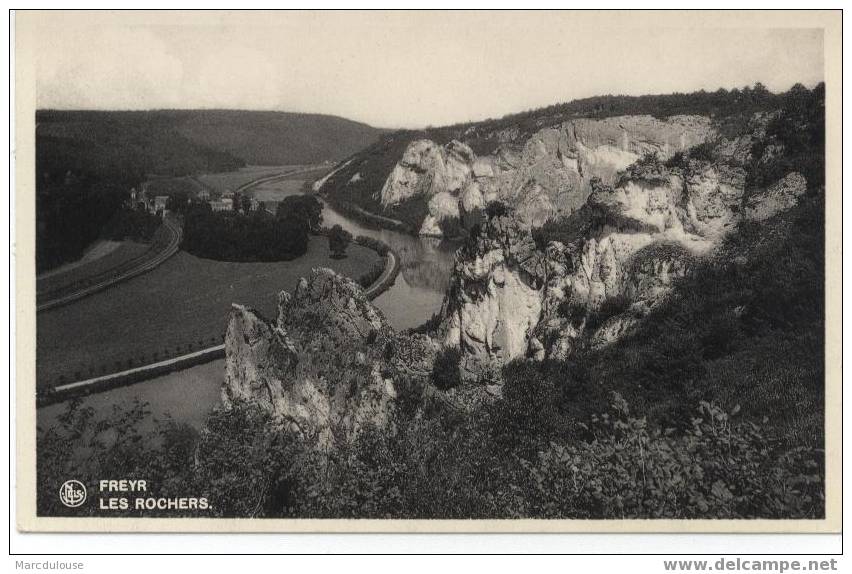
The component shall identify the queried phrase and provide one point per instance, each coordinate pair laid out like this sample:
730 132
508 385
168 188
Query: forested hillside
87 161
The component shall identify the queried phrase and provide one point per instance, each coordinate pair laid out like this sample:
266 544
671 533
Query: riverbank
367 218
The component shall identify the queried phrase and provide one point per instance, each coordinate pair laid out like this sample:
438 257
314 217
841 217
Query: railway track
162 249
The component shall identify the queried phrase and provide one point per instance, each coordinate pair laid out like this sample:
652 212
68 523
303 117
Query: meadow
231 180
125 251
179 307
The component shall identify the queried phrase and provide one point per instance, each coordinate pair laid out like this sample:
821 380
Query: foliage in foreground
501 462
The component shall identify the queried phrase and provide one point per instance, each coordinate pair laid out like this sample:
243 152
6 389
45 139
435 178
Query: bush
572 310
496 209
718 468
519 458
445 372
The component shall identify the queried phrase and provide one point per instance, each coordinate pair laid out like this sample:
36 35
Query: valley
571 285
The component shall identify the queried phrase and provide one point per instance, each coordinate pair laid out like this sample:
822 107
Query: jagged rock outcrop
545 176
320 366
494 301
510 299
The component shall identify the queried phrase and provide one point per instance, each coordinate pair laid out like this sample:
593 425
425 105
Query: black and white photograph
476 270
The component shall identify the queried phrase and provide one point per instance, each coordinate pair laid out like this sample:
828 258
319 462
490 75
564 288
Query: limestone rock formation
509 299
547 175
319 366
494 302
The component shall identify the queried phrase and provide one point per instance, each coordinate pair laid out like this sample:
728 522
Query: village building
204 195
224 204
160 203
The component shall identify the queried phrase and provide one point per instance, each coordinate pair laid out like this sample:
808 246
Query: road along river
187 395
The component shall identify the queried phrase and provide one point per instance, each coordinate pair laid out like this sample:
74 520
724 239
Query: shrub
677 161
718 468
610 307
369 277
572 310
703 152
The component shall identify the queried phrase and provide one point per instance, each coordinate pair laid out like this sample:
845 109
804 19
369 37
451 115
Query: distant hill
184 141
87 161
274 138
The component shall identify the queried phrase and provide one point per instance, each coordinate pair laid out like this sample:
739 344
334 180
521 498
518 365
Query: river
188 395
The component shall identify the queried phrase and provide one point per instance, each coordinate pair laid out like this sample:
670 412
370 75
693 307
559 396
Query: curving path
146 262
144 372
384 280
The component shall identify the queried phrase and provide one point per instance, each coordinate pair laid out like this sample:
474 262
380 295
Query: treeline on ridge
730 110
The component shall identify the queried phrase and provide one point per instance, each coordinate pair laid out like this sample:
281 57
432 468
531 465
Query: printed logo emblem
72 493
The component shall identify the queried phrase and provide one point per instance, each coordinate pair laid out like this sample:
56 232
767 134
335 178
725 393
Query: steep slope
539 162
668 261
549 176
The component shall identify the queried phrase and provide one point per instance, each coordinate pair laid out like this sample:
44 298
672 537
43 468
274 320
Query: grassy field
233 179
125 252
178 307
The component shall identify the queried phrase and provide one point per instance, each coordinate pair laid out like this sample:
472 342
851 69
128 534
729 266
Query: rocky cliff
321 366
582 230
623 249
543 177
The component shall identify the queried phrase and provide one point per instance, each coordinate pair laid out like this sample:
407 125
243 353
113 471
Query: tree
338 241
304 208
178 202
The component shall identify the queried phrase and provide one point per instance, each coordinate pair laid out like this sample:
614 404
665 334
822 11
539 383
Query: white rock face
318 367
428 169
546 176
510 300
494 303
713 196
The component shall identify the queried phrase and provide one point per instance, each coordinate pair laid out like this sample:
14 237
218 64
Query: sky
403 69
